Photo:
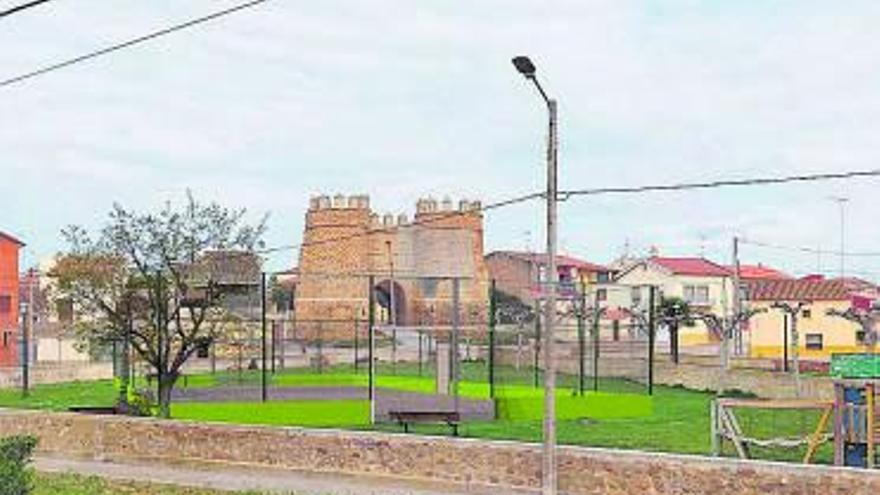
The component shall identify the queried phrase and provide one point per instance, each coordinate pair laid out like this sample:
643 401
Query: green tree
142 280
674 312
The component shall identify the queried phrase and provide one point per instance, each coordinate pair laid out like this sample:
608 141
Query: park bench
405 418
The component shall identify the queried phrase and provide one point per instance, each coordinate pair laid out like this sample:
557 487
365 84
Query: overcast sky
401 99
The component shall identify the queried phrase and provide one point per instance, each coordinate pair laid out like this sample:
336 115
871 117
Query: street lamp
525 67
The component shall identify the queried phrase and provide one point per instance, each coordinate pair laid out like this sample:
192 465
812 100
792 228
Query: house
524 275
9 298
820 334
704 284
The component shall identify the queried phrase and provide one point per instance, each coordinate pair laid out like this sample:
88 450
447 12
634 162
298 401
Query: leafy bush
138 402
16 478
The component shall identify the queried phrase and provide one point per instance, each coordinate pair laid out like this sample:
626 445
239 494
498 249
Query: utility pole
371 347
652 332
549 481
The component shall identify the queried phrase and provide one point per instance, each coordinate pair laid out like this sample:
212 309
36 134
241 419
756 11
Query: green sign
862 365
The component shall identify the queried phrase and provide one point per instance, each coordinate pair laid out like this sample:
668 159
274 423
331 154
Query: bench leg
455 429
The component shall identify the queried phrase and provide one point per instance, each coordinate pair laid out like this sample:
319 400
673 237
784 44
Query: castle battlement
340 202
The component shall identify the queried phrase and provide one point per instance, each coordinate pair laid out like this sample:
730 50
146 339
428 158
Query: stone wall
502 465
57 373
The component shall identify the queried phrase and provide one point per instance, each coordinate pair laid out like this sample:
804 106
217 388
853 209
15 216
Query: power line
564 195
22 7
809 250
131 42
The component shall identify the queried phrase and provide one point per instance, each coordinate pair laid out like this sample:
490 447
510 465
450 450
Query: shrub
16 478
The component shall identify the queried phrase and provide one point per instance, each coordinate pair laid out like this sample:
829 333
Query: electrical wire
132 42
564 195
22 7
809 250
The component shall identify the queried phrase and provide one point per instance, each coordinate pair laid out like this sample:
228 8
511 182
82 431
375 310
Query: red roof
561 260
797 290
700 267
4 235
760 272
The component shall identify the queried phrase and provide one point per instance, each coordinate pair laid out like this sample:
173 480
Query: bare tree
867 320
141 280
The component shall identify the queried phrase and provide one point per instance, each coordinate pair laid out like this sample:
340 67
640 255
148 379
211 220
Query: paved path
234 478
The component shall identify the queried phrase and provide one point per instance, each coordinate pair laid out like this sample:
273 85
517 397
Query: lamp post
549 484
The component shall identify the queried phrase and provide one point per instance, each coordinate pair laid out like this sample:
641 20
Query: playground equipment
856 428
726 425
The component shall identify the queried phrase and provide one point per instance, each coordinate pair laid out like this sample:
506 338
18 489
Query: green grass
61 396
314 413
71 484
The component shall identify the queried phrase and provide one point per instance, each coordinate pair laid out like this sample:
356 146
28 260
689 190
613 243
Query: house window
860 337
603 277
5 305
636 296
814 341
5 339
806 314
602 294
696 293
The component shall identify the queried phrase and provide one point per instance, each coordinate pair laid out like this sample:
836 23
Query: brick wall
504 465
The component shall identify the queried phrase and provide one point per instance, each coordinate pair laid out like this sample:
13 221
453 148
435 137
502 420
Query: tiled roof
760 272
4 235
561 260
797 290
700 267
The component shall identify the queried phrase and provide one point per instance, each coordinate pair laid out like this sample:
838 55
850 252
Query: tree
143 280
674 312
867 320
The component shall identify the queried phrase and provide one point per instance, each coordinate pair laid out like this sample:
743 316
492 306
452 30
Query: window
696 293
5 305
807 314
814 341
636 296
603 277
860 337
602 294
5 339
615 328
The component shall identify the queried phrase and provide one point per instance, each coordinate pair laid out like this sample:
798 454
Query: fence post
264 393
492 323
454 354
652 323
537 345
581 329
371 322
356 328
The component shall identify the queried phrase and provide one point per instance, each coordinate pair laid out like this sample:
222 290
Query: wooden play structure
726 425
856 428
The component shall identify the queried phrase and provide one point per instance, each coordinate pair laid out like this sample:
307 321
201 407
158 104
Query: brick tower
345 242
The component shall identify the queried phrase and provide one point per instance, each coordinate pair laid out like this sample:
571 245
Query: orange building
9 249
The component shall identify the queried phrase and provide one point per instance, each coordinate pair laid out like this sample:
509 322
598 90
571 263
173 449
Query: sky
401 99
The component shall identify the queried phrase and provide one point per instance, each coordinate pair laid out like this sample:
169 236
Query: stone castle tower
345 243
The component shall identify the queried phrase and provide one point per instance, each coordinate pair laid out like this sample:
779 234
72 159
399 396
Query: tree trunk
166 385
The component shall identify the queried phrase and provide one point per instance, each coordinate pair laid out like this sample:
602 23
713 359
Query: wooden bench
405 418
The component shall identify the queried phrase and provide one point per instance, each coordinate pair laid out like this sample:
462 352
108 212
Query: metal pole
537 346
550 475
263 389
492 323
455 368
392 308
785 342
652 328
581 324
274 334
371 323
596 315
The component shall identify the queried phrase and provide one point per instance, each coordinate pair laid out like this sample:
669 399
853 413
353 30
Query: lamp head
524 66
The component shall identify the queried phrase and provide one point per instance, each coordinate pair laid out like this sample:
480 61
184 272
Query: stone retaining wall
56 373
503 465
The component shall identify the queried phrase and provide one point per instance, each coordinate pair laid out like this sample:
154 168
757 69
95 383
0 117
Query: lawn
71 484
